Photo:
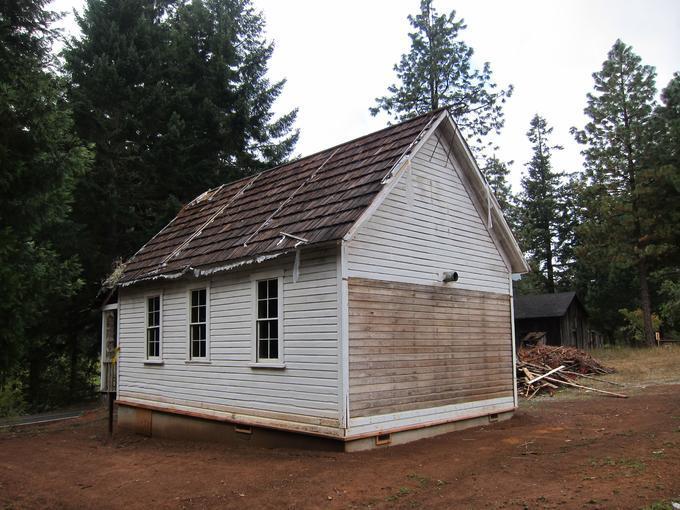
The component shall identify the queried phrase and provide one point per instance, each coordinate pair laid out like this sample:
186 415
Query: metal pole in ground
112 397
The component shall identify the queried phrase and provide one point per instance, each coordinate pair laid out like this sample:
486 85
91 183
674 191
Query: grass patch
657 365
402 492
630 465
423 481
420 482
633 464
659 505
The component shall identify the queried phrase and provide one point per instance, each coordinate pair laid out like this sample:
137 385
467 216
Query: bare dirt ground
572 451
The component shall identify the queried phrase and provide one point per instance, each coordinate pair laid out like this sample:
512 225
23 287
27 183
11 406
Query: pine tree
662 198
570 215
118 94
618 154
437 72
497 173
221 97
41 161
539 204
175 98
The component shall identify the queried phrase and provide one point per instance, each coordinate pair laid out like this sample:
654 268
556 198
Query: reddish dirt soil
582 453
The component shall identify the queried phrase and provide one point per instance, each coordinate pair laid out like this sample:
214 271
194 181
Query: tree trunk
549 264
645 299
646 304
73 369
35 367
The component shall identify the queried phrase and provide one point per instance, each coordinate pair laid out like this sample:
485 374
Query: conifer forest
106 134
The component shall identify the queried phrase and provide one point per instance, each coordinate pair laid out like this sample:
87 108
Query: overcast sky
338 56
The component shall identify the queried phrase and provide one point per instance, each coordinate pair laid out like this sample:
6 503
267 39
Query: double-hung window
153 327
268 320
198 324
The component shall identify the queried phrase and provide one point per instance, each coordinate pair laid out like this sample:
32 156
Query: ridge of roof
432 113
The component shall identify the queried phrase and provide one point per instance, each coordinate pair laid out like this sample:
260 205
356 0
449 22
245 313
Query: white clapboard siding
426 226
308 385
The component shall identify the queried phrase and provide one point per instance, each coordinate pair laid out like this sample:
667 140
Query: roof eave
225 267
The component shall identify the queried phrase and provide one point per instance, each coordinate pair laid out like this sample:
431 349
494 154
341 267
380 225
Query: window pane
195 350
273 288
198 297
262 330
273 329
261 309
153 311
153 342
203 345
201 313
263 349
195 332
262 289
202 331
273 348
273 306
194 314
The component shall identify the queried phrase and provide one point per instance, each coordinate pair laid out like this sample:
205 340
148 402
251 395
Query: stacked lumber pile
545 368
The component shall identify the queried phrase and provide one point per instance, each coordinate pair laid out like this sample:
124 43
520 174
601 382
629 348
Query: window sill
153 362
197 362
275 366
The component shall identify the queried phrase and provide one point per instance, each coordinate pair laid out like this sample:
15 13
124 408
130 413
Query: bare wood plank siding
307 386
421 346
428 225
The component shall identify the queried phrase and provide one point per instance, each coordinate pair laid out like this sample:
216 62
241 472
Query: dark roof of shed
543 305
317 198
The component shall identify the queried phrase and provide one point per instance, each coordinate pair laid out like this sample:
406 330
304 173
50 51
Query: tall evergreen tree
663 199
41 161
618 140
221 99
118 93
570 216
438 71
539 204
497 173
174 96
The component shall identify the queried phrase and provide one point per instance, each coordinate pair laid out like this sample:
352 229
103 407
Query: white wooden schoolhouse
356 297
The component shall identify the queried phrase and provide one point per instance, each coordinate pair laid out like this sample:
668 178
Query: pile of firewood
543 369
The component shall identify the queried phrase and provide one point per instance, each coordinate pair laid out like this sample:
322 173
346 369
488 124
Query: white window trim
189 358
151 360
278 363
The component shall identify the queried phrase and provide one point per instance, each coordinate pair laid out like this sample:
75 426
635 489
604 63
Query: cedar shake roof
543 305
317 198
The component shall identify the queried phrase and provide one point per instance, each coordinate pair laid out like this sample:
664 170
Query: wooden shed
360 296
560 316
